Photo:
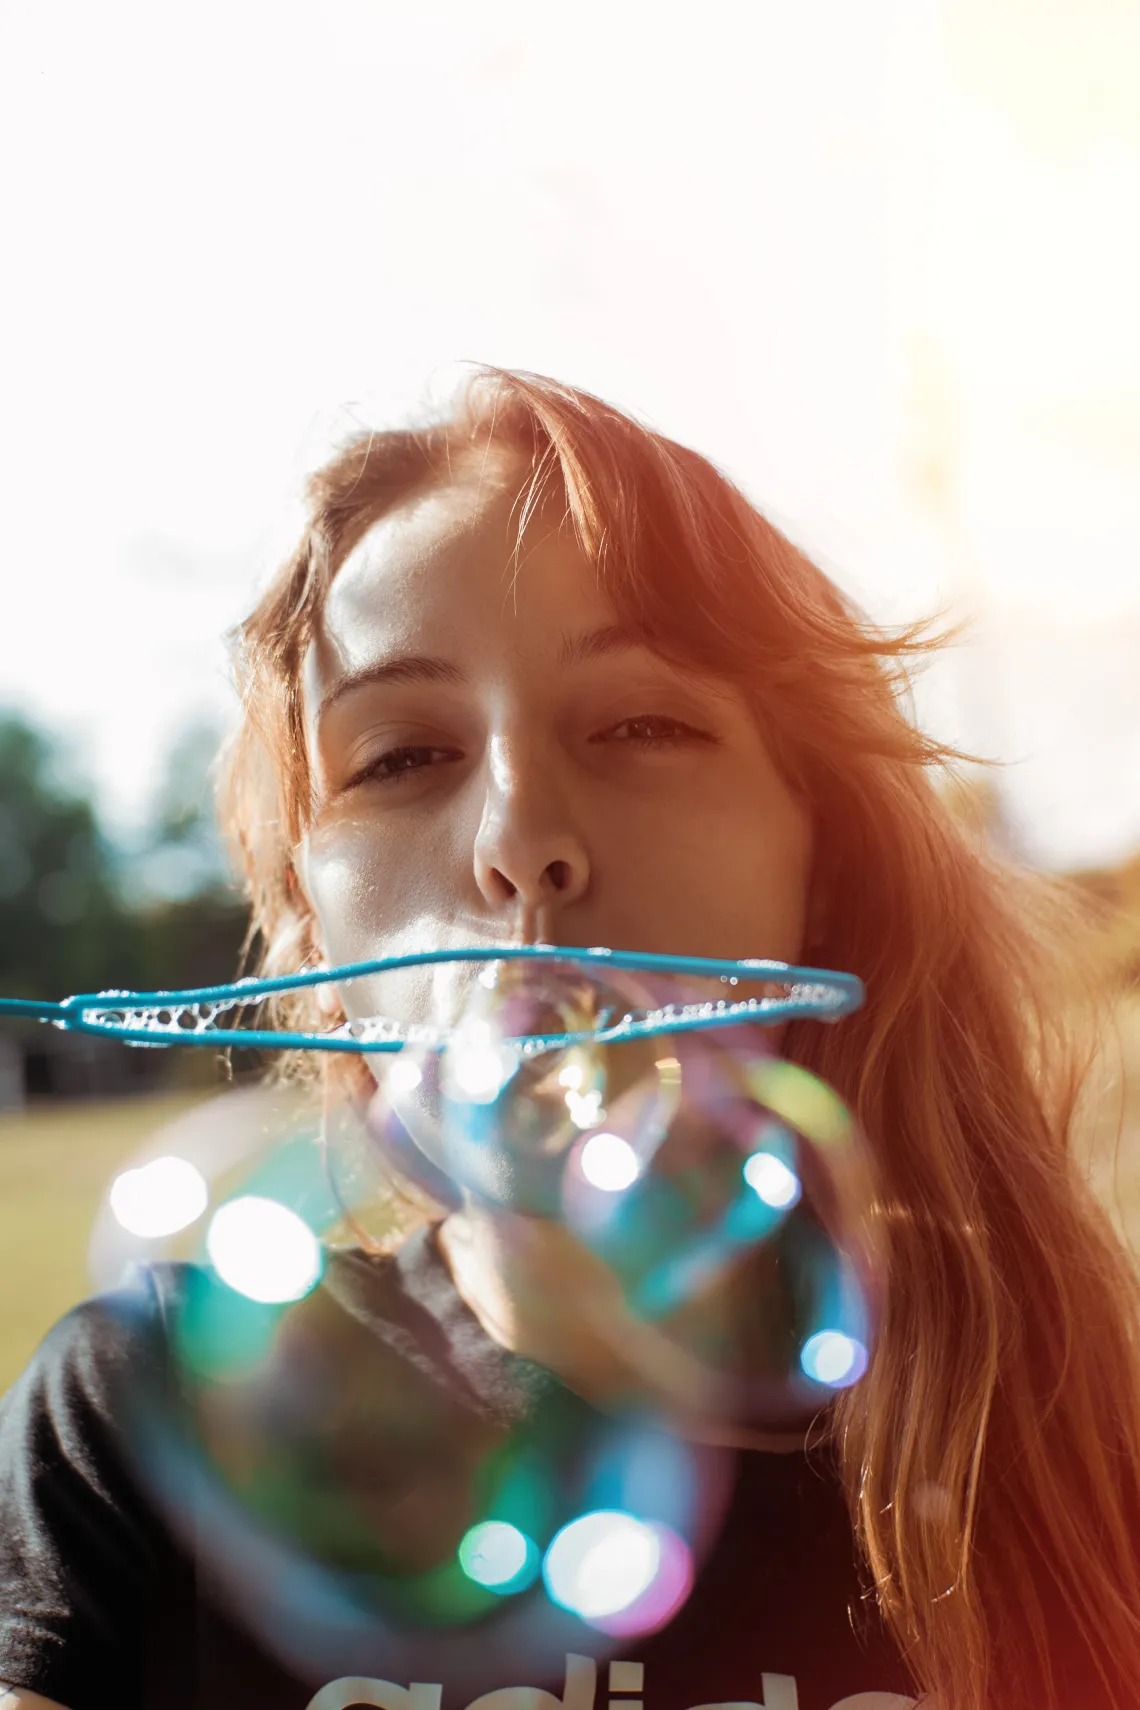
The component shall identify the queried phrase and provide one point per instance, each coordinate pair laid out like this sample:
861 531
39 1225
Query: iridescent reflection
365 1502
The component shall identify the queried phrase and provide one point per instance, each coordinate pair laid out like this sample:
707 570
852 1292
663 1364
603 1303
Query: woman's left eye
652 730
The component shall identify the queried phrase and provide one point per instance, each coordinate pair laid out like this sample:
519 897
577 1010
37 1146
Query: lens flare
404 1074
477 1064
832 1358
498 1555
661 1599
159 1198
264 1250
601 1563
772 1181
610 1163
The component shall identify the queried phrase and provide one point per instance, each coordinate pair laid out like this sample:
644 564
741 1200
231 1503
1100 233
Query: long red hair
991 1455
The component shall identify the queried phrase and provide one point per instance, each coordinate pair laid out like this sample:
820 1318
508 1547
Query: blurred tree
182 801
178 878
61 924
78 913
182 855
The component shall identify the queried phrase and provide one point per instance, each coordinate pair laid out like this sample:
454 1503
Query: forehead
444 570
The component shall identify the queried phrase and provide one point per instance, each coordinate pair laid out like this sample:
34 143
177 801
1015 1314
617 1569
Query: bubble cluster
697 1207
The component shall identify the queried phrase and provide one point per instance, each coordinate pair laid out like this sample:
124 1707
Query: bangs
688 563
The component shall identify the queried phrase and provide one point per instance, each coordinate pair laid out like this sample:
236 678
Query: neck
540 1294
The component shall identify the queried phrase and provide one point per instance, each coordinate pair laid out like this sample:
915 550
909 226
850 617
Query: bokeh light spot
610 1163
404 1074
601 1563
478 1064
160 1197
829 1357
585 1108
498 1556
263 1250
662 1598
772 1181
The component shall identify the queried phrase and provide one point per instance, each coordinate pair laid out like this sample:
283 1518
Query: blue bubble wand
193 1017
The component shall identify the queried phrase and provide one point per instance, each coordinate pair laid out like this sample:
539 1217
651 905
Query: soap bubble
380 1488
708 1202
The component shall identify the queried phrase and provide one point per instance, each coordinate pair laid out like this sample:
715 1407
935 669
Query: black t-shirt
139 1572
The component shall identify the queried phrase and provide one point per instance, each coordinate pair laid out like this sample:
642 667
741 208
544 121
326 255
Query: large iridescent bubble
712 1201
369 1475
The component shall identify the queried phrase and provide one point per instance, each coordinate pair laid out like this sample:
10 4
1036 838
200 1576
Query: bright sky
880 261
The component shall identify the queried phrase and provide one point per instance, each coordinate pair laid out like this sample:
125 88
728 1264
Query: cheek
364 888
381 890
725 877
767 863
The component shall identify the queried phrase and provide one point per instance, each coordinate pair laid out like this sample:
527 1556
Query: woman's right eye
396 765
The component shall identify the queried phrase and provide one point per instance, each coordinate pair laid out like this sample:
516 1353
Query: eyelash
398 773
669 733
673 736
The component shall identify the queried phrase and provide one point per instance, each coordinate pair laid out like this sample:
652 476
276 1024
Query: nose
529 859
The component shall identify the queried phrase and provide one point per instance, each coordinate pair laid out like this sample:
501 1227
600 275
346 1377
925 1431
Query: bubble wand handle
34 1008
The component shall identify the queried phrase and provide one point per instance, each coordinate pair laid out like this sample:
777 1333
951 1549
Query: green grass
55 1166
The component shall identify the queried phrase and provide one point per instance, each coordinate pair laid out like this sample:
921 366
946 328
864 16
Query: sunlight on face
494 758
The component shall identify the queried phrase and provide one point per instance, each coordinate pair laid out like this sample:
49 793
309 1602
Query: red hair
991 1453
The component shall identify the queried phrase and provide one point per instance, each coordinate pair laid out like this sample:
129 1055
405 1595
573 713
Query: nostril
558 875
504 884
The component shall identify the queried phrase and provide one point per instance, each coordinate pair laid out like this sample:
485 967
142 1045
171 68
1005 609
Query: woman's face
495 759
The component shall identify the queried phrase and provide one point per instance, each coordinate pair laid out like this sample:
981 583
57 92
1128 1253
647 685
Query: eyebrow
409 668
430 668
596 644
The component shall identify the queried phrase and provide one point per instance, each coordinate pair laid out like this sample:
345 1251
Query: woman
537 672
